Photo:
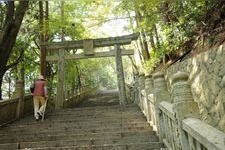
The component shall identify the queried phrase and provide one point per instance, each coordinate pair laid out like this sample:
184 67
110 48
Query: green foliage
93 72
71 22
167 24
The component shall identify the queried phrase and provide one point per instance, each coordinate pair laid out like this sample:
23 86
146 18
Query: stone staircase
84 128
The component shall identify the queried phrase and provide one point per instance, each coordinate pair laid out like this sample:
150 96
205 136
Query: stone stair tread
9 146
128 146
87 130
98 141
31 121
77 125
100 109
88 135
83 112
32 130
81 122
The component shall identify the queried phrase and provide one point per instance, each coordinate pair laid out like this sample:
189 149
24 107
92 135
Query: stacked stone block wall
206 73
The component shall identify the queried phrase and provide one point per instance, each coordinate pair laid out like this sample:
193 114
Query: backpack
32 88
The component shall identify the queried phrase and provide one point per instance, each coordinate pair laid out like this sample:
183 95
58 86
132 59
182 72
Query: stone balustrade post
132 94
184 106
70 93
19 93
136 89
141 82
148 90
160 94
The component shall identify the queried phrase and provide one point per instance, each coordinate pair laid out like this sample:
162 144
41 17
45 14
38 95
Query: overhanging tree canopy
12 22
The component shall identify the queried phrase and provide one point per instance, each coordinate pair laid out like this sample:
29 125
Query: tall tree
42 37
143 41
15 12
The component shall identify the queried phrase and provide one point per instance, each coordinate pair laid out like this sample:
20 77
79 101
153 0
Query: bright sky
115 28
111 28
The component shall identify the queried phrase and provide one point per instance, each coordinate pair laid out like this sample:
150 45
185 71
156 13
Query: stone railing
175 116
70 93
16 107
20 104
72 97
76 97
130 93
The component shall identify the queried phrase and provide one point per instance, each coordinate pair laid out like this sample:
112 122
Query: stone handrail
16 107
10 110
203 135
151 108
20 104
199 135
71 92
78 97
130 90
169 121
175 116
167 108
28 104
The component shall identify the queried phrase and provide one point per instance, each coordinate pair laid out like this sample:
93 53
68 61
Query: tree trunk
42 38
143 42
156 36
168 16
79 84
10 30
152 41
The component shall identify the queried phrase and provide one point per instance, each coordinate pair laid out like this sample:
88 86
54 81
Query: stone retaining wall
207 78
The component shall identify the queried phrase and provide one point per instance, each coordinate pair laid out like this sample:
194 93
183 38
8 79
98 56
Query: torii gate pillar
61 77
120 75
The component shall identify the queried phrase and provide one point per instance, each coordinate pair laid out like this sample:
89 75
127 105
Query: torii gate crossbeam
100 42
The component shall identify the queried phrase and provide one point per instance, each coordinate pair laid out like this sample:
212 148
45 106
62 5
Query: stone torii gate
60 50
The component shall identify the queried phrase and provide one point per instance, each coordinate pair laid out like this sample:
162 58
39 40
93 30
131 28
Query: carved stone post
19 93
160 94
148 90
136 89
120 76
184 106
141 82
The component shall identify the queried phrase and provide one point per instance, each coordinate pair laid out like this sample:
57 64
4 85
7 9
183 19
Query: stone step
84 111
100 141
79 125
92 110
92 118
9 146
81 136
80 121
99 109
71 131
73 127
129 146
